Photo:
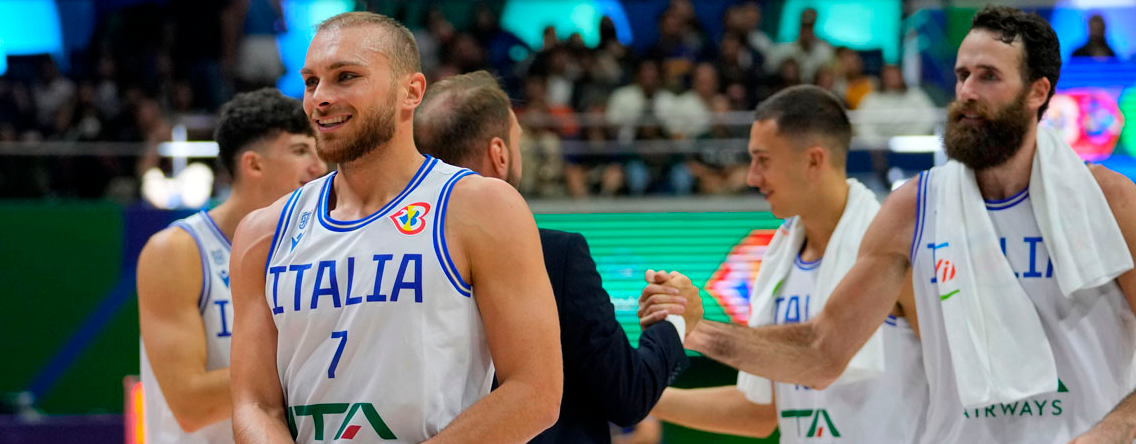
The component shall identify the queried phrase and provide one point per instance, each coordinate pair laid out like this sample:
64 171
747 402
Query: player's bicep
253 354
510 283
865 296
169 283
1120 193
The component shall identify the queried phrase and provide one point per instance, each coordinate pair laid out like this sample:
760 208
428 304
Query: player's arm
259 414
498 238
815 353
173 333
1120 424
717 409
907 303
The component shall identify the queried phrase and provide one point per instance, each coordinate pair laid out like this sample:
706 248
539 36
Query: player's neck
365 185
1012 176
230 212
826 208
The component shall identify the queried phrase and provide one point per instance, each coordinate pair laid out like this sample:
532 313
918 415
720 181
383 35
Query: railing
60 168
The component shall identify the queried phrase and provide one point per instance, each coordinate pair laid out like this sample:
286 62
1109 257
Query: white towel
839 256
998 348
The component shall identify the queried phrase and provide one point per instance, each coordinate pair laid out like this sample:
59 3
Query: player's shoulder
170 261
1115 186
476 197
171 243
262 221
904 200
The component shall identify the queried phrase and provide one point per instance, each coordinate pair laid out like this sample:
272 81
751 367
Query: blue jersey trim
806 265
216 230
203 298
1008 199
890 320
328 222
440 248
920 212
282 225
1008 203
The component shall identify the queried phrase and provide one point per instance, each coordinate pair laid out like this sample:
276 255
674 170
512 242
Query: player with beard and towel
1021 262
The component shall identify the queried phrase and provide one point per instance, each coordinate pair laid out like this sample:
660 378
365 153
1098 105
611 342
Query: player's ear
250 164
499 157
415 90
817 157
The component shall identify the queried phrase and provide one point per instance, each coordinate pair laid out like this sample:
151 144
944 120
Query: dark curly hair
253 116
1041 52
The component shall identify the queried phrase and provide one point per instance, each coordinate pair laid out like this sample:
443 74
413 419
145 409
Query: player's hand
658 300
669 293
1105 433
693 310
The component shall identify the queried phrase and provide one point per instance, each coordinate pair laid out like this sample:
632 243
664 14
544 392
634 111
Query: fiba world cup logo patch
411 219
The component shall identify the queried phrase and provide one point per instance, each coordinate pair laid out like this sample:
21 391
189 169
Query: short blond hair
400 45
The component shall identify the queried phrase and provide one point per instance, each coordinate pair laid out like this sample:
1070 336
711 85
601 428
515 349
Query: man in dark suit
466 120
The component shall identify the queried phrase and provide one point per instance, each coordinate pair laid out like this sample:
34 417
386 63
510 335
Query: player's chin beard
991 141
376 128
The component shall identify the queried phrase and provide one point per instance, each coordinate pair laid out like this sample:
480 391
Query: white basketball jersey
379 338
1093 336
889 408
216 307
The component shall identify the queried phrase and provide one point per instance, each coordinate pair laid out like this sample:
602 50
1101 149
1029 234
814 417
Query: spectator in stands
495 40
750 13
594 166
693 33
852 84
894 110
1097 46
592 85
687 115
809 51
613 59
629 104
788 74
675 49
431 39
826 78
560 70
258 62
545 127
720 163
106 89
52 93
205 34
738 68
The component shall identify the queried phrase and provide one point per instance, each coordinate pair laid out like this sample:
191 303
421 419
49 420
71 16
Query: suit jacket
605 378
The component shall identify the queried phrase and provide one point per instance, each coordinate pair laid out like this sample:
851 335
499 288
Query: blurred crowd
604 120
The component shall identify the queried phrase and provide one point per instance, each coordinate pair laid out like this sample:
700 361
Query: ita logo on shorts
411 219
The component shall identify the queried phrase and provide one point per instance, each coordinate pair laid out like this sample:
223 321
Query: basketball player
377 302
799 143
1006 71
185 311
466 120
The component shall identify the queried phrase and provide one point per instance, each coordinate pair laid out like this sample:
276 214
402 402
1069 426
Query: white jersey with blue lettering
1093 336
215 305
889 408
379 337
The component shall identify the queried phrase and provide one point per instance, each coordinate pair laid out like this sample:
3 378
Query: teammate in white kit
799 142
376 303
185 312
1006 71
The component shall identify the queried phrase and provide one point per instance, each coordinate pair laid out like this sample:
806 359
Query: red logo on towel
944 270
